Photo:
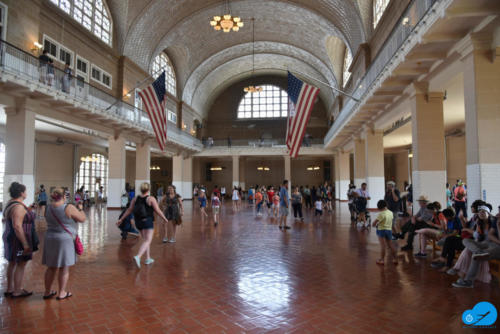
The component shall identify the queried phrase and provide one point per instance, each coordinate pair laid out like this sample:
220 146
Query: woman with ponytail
59 248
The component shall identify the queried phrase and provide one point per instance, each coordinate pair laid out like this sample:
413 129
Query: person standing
259 200
19 239
66 79
393 200
235 198
59 248
174 210
203 203
384 232
460 196
307 197
284 205
449 196
222 193
361 198
43 63
41 201
144 206
216 208
297 204
50 72
159 194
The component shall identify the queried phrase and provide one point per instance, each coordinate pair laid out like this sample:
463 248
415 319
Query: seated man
488 249
417 222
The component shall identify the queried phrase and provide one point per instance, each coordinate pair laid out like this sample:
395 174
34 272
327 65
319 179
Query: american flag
301 98
153 98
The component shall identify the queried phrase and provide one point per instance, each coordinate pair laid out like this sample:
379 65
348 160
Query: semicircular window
271 102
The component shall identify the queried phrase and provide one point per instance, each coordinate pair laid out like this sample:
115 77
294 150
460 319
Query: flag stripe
153 98
300 137
157 118
302 121
151 111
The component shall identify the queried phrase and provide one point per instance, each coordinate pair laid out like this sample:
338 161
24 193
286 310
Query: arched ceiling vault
238 69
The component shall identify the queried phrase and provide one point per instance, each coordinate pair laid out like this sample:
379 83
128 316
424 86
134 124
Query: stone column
428 145
182 176
482 120
242 173
116 179
344 178
142 165
374 162
20 151
359 162
288 173
236 171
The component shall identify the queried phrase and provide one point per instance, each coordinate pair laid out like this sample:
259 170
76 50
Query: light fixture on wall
89 158
253 89
36 47
262 168
226 22
217 168
410 154
313 168
154 168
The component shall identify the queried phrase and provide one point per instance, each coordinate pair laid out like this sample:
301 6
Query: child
215 207
384 231
276 205
126 226
319 207
258 201
203 203
269 200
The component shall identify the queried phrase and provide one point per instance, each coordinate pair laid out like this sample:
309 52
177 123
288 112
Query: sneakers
137 261
165 240
451 272
172 240
420 254
149 261
480 256
287 227
461 283
407 247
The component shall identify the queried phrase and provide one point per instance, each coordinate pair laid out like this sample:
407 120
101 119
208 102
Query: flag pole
326 84
133 89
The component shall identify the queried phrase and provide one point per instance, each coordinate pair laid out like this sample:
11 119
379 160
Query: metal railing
403 29
25 66
279 142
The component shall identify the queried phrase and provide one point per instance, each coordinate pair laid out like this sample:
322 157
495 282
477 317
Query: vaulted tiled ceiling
290 34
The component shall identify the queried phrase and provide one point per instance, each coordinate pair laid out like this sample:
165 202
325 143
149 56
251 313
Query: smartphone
20 253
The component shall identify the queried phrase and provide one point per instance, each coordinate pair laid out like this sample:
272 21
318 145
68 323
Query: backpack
140 211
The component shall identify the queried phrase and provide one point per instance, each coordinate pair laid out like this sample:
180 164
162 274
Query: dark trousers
451 245
308 201
411 228
318 212
460 206
297 208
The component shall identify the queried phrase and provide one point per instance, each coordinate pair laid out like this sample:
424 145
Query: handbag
77 241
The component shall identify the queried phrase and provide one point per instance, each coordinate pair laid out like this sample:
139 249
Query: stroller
359 205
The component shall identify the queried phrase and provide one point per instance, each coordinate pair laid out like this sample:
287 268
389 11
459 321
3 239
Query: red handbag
77 241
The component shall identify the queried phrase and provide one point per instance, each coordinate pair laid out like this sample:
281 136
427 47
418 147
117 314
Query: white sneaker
149 261
172 240
137 261
165 240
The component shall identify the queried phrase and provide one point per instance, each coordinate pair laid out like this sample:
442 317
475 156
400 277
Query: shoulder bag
77 241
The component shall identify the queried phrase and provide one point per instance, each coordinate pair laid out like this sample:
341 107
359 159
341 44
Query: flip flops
24 294
68 294
50 295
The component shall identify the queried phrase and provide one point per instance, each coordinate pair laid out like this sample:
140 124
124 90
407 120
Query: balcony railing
27 67
400 34
257 142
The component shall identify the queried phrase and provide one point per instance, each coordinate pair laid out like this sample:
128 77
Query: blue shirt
203 202
42 196
453 224
283 195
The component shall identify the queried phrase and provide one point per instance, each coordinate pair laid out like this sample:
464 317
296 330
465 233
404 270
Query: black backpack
140 211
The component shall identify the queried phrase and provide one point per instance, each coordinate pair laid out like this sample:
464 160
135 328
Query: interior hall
249 166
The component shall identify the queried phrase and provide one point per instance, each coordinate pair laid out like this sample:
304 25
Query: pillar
359 162
142 164
242 173
428 145
374 166
116 179
182 176
236 171
482 119
20 150
342 174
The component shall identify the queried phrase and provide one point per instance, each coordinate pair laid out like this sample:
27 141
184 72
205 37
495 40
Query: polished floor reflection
244 276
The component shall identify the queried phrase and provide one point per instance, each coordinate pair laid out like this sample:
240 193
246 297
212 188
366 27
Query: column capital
473 42
20 104
418 88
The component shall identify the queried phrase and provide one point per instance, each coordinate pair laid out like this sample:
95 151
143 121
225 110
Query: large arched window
379 7
162 63
347 64
93 173
271 102
92 14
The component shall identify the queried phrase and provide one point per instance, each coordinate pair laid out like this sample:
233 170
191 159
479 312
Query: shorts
283 211
42 203
269 204
145 224
276 206
215 209
384 234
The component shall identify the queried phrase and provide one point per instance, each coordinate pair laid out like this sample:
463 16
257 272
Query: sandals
50 295
380 261
68 294
7 294
24 294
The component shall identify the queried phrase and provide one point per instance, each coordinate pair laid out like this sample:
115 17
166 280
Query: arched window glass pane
271 102
92 14
92 174
162 63
379 7
347 64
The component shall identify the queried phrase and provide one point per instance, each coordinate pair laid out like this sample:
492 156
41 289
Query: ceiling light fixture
251 88
226 22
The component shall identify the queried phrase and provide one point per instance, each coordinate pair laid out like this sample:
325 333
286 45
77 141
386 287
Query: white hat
484 208
203 190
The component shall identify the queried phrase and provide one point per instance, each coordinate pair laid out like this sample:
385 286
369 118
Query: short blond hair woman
143 207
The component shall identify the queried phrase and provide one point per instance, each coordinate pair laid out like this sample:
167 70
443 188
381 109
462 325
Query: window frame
3 21
171 116
346 74
102 73
170 75
84 75
269 101
59 47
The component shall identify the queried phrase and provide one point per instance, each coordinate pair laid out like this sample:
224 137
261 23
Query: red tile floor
245 276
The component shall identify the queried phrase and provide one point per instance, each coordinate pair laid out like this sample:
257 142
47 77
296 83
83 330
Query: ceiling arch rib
246 49
240 68
299 23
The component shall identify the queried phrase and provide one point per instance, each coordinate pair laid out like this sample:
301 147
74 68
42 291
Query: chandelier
226 22
253 89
